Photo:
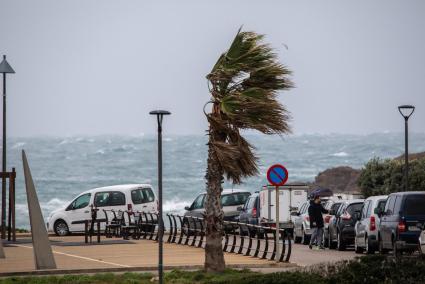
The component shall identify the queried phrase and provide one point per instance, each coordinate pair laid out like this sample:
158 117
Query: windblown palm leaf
244 84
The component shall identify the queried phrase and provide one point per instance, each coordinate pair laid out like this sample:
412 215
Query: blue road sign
277 175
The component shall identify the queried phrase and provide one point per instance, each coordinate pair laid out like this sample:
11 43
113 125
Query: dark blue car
401 220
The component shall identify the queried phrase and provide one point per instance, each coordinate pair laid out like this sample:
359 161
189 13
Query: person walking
315 211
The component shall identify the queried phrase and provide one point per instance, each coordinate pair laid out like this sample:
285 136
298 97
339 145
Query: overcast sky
90 67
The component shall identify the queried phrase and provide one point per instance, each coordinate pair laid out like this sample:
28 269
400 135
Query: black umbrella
322 192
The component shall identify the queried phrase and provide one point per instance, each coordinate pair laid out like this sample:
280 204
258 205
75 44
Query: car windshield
142 195
356 207
234 199
415 205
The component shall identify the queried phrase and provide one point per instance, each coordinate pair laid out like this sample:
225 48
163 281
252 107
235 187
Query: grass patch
367 269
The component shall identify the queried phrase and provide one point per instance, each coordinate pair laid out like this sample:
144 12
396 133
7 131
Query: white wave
18 145
168 139
54 204
175 206
65 141
100 151
340 154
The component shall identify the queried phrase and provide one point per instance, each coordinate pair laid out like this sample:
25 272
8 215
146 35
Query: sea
63 167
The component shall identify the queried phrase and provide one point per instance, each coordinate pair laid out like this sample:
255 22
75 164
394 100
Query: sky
87 67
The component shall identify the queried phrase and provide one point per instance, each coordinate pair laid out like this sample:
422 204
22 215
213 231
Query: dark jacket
315 213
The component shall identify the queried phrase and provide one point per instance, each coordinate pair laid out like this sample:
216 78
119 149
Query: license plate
414 228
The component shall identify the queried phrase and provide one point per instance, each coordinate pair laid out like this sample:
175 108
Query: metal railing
260 241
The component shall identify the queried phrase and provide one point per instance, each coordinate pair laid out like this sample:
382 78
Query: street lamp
159 116
406 111
5 68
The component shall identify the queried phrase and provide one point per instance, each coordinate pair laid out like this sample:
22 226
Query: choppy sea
62 167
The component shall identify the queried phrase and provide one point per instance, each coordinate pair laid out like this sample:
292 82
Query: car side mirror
239 208
295 214
187 208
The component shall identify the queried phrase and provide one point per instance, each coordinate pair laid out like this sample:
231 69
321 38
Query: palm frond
245 82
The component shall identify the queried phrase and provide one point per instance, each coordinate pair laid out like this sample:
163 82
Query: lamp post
159 116
5 68
406 111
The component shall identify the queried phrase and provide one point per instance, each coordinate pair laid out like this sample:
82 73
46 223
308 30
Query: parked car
367 226
401 220
341 226
136 197
250 214
302 231
231 199
333 207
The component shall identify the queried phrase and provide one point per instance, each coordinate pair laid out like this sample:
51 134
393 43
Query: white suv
135 197
367 226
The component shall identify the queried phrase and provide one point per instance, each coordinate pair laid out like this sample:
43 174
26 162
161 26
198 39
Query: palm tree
243 85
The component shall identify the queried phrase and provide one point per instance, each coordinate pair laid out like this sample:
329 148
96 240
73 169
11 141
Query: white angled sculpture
43 254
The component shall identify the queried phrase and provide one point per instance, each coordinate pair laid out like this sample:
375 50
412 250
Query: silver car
367 226
231 199
302 230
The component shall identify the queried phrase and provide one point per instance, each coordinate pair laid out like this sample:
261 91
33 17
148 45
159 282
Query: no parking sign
277 175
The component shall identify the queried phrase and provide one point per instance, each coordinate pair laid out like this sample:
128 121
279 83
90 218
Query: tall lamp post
406 111
5 68
159 116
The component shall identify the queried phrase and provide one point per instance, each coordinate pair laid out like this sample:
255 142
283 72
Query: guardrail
260 241
188 230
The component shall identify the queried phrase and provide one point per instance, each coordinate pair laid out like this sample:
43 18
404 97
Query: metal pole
161 224
3 181
406 154
277 226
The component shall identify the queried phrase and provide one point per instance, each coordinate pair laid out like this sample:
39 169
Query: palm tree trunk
214 257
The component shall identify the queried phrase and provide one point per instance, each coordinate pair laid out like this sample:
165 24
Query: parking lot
72 255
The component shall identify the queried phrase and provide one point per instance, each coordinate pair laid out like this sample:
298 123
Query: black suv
341 226
401 222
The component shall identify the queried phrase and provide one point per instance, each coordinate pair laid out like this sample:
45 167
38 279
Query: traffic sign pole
277 240
277 175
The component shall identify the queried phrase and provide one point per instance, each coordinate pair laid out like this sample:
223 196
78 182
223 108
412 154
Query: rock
340 179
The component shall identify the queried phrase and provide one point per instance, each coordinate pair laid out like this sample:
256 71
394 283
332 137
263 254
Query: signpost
277 175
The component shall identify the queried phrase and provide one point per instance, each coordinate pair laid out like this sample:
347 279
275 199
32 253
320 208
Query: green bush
367 269
387 176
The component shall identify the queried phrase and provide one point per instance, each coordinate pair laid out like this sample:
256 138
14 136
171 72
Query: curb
137 269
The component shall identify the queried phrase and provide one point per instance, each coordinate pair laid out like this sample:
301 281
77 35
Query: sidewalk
72 255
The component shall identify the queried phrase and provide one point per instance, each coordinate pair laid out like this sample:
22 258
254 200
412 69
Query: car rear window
142 195
354 207
414 205
234 199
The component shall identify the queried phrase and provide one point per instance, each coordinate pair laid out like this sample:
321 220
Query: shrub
387 176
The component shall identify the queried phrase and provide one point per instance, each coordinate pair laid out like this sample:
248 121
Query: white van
136 197
291 198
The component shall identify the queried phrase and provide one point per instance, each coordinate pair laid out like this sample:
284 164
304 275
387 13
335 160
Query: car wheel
186 228
369 248
340 242
61 228
304 238
357 249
